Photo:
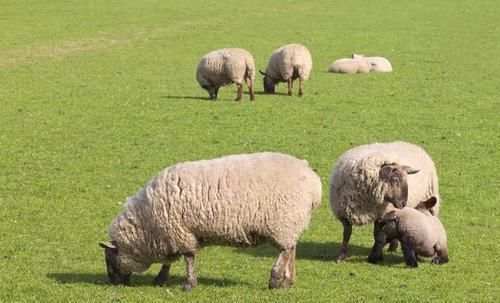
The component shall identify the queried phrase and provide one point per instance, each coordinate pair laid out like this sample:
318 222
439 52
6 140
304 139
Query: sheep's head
119 265
395 177
269 84
390 221
426 206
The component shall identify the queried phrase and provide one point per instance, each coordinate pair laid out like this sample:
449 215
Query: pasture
96 97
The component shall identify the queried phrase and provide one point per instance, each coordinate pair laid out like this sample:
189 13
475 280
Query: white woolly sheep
349 66
419 231
368 178
225 66
286 64
244 200
377 64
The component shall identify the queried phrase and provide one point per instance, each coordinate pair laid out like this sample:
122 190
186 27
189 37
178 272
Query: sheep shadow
136 280
323 252
187 98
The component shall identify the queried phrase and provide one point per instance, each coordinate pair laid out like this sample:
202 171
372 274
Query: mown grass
95 98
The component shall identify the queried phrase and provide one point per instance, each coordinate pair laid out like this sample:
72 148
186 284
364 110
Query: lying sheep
225 66
286 64
360 64
419 231
244 200
368 178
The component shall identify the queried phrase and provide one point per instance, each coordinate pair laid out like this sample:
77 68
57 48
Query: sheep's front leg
290 86
281 274
380 240
239 94
345 242
191 281
301 84
408 253
162 276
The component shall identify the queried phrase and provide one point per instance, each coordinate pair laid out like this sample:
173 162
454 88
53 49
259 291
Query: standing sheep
368 178
225 66
244 200
286 64
419 231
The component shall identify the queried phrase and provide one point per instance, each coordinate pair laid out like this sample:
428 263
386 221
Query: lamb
367 179
244 200
419 231
286 64
360 64
225 66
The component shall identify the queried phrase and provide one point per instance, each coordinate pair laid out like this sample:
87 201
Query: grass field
97 96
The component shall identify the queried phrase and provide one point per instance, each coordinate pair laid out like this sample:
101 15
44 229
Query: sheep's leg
380 241
191 281
345 242
278 272
239 94
250 90
290 86
441 257
408 252
162 276
301 84
393 245
290 269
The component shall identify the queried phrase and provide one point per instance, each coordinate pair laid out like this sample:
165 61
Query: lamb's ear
385 172
409 170
107 245
262 73
430 202
390 216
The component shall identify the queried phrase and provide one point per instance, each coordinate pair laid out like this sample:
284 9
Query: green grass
97 96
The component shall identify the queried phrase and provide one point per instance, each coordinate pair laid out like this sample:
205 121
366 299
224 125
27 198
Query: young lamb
349 66
286 64
243 200
225 66
368 178
377 64
419 231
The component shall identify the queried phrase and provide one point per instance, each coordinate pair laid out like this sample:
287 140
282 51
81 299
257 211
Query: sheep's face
395 177
212 91
268 85
119 265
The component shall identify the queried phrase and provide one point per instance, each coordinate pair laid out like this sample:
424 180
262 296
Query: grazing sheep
368 178
244 200
419 231
349 66
377 64
286 64
225 66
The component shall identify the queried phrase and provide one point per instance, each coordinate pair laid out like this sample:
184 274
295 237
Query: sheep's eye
395 182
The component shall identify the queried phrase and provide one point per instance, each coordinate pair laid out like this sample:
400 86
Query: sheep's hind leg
290 269
191 281
441 257
393 245
301 84
345 242
290 86
162 276
279 271
408 253
250 90
239 94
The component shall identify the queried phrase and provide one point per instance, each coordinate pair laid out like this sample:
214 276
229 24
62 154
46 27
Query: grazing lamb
225 66
368 178
244 200
377 64
349 66
419 231
286 64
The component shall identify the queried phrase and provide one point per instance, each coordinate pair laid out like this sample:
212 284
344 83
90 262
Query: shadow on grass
136 280
323 252
187 98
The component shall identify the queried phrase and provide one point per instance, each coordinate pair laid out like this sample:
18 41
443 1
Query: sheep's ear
390 216
107 245
385 172
262 73
430 202
409 170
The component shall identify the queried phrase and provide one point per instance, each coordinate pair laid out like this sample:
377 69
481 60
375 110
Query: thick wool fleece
357 193
423 230
289 61
225 66
379 64
243 200
349 66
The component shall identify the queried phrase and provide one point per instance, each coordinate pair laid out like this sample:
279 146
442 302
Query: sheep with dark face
418 230
287 63
242 200
368 179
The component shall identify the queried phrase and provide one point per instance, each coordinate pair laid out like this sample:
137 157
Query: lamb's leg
162 276
408 252
380 240
290 86
239 94
250 90
216 92
191 281
441 257
278 275
393 246
345 242
301 84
